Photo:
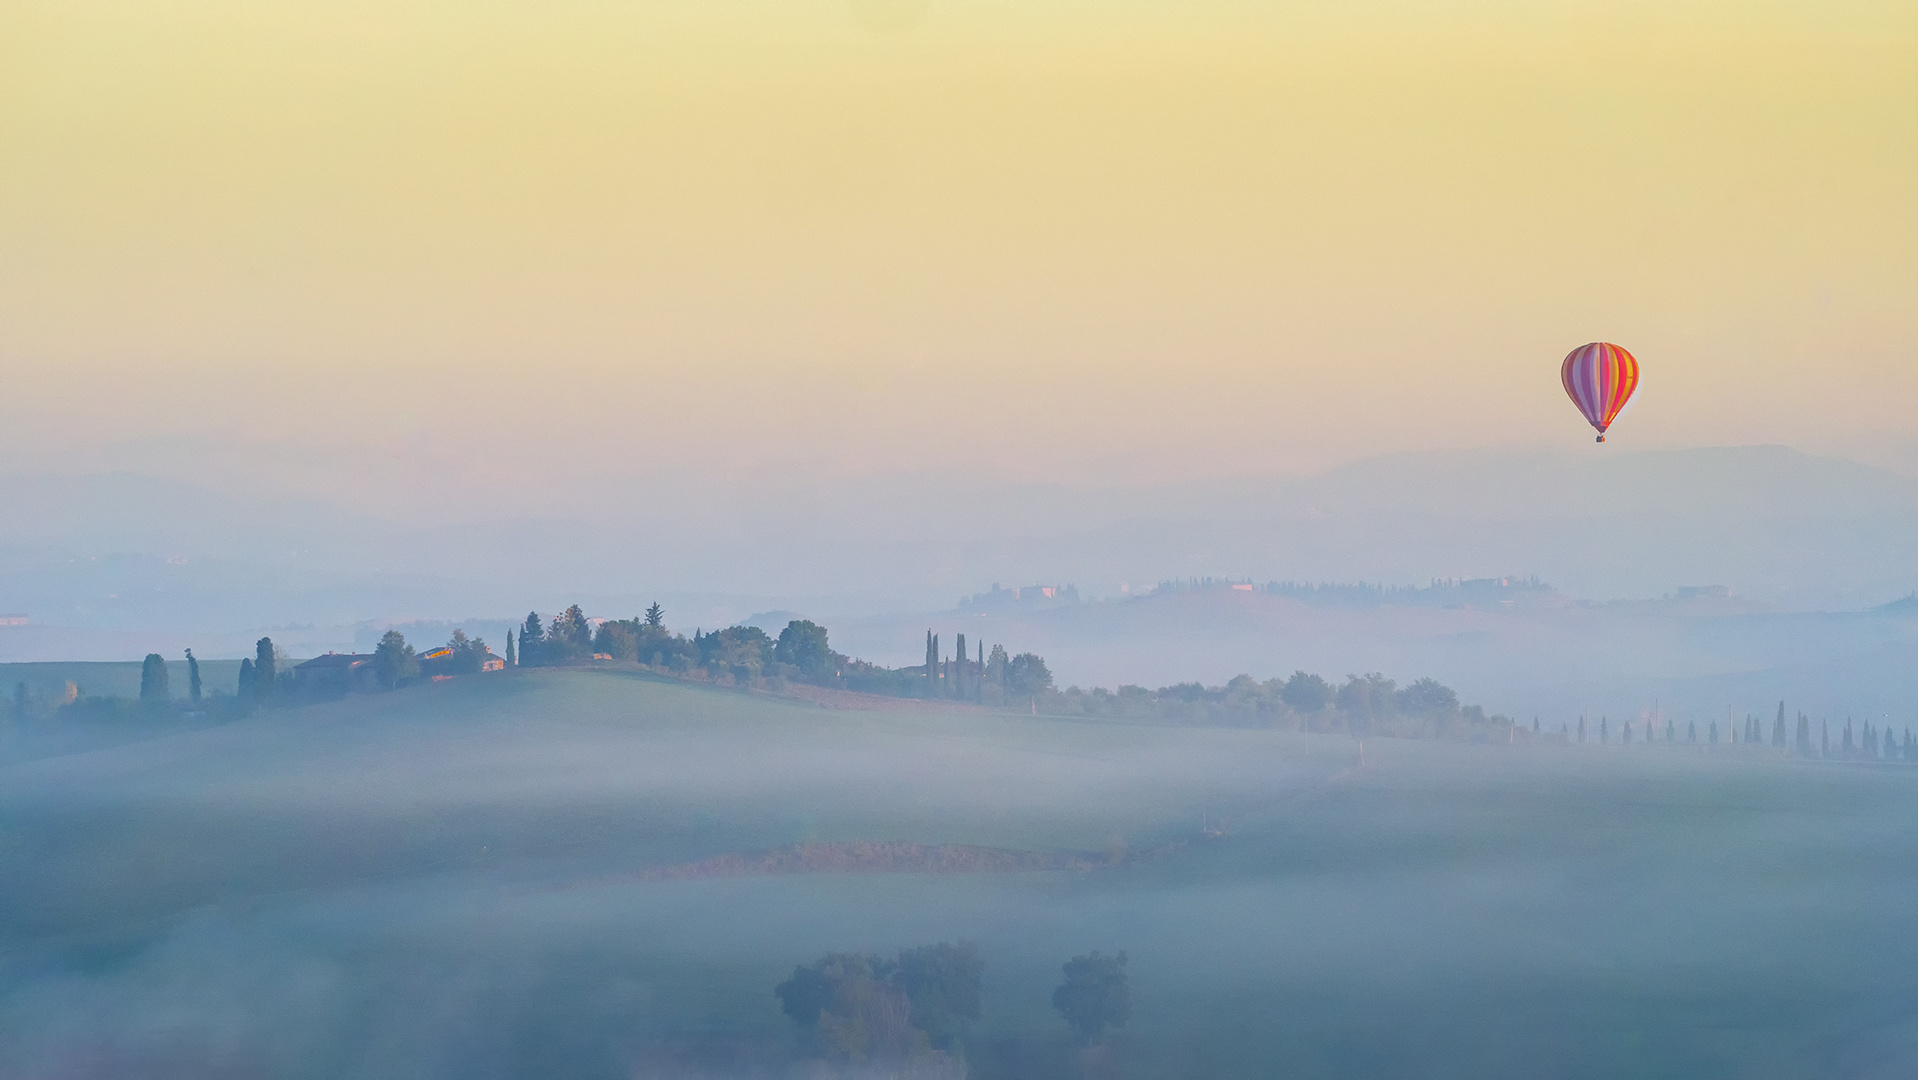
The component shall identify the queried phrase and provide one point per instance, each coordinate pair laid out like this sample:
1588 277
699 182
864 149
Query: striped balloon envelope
1600 378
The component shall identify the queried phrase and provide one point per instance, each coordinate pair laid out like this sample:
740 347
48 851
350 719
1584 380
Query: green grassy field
449 881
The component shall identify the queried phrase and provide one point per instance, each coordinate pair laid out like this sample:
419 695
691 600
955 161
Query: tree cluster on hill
748 656
1362 705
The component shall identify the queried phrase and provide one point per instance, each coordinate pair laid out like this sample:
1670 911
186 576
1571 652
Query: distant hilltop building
13 620
437 662
1497 592
1021 595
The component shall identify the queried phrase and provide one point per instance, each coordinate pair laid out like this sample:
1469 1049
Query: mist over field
514 876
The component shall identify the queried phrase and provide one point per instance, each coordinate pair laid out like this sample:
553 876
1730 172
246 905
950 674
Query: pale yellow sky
1118 240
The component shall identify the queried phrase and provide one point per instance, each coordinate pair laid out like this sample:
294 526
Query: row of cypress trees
1869 743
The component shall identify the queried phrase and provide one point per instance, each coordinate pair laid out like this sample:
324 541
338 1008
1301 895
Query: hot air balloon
1600 378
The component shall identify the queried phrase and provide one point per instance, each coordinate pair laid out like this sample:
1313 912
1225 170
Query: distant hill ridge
1455 592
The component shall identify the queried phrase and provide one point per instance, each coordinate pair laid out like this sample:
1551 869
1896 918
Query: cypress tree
154 691
1845 748
1824 738
1581 729
245 690
1604 729
530 633
1691 731
512 657
1671 731
1778 728
192 678
932 663
959 666
1714 733
265 670
1804 735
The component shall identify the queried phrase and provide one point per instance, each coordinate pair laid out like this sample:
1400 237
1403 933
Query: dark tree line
1362 705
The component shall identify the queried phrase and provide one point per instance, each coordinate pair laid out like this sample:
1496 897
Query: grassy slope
437 882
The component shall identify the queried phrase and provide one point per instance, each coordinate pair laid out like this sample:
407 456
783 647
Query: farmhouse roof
334 660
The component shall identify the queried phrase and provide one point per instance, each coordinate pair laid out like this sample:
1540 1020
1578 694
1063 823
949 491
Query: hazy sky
403 249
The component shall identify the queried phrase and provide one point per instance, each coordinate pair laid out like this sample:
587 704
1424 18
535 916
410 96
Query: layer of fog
441 882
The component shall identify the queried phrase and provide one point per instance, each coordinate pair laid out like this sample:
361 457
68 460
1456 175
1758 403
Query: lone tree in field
153 681
1095 995
394 662
192 678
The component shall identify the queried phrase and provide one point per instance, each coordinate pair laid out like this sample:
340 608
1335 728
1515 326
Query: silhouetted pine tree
1846 747
1778 728
245 689
512 655
1804 734
1691 731
192 678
